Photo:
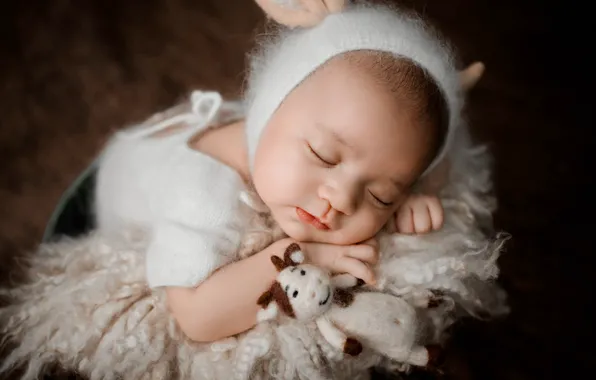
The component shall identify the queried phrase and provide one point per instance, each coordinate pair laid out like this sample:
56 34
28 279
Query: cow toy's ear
293 255
265 298
279 263
281 300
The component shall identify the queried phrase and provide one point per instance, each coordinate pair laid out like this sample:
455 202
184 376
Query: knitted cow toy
347 320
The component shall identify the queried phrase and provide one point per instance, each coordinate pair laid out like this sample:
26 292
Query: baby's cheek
363 227
270 180
285 175
379 219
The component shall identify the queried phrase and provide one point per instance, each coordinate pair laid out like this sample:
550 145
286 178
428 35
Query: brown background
72 71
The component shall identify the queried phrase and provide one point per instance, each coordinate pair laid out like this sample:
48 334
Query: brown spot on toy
436 299
434 302
342 297
352 347
436 356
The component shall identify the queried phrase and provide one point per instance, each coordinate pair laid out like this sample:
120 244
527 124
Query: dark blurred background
73 71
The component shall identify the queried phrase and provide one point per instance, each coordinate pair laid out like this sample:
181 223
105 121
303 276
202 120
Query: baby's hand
419 214
356 259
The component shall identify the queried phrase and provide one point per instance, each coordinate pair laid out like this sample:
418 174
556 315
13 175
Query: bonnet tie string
204 108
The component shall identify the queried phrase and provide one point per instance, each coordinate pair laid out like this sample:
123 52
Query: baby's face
338 157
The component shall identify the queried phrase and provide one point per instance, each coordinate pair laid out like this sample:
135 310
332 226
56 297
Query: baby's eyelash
381 202
319 157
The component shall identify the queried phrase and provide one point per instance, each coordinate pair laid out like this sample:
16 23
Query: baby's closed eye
379 200
323 158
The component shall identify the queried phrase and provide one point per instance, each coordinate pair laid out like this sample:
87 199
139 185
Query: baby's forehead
407 93
406 89
386 70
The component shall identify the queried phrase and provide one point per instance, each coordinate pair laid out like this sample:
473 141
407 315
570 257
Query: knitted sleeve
180 255
184 199
193 226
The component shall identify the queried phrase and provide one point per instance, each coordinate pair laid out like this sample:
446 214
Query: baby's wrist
310 255
279 247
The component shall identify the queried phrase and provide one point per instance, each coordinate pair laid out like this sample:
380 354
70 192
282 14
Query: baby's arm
225 303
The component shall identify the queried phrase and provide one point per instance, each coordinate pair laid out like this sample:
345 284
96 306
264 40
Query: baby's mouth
323 302
307 218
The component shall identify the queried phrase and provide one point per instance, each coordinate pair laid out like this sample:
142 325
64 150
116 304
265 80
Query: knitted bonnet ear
285 61
299 13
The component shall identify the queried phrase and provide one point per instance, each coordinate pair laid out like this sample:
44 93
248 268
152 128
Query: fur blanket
86 305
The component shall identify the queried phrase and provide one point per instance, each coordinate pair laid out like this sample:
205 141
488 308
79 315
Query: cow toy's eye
286 288
303 272
295 294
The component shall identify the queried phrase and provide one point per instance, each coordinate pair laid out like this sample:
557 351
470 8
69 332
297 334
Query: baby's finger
356 268
364 252
405 220
422 221
435 209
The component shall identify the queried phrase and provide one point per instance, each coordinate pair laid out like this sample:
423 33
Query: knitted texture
86 304
282 62
186 216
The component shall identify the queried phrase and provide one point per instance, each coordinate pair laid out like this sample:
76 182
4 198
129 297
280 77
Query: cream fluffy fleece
86 304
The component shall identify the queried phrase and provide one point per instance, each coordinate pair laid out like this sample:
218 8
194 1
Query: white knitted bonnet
285 62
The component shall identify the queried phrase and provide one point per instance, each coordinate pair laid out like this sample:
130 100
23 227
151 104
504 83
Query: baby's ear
469 76
293 255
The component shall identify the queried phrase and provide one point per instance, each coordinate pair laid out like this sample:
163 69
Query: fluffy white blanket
87 307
